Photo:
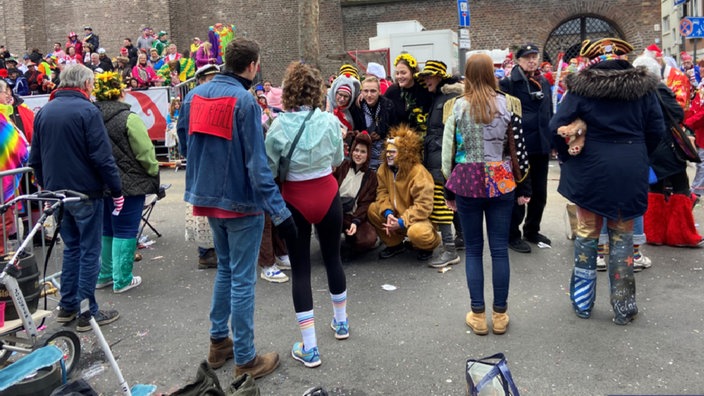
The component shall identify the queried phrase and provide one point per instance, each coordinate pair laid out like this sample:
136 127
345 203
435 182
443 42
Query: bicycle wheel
69 343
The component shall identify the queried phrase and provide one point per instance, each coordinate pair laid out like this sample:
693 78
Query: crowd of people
429 164
153 61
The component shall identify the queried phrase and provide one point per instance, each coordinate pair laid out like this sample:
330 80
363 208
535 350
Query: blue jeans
237 247
638 232
498 220
80 230
126 225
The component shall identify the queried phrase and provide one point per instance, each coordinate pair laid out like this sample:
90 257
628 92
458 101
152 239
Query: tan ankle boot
477 322
499 322
260 366
220 352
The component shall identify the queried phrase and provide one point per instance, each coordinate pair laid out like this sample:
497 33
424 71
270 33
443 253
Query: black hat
527 49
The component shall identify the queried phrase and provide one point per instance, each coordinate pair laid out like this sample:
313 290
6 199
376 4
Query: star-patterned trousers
621 280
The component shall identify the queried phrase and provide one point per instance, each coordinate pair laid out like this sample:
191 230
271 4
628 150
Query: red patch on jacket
212 116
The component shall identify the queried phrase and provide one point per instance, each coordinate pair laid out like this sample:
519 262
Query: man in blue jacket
71 150
229 181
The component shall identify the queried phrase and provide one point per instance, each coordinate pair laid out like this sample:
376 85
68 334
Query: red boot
654 226
680 223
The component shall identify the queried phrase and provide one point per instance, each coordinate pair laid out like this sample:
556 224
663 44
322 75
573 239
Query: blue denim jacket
228 174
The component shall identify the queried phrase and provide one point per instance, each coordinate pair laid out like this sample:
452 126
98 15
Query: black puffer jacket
432 143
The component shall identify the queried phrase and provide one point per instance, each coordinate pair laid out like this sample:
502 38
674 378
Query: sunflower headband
408 58
108 86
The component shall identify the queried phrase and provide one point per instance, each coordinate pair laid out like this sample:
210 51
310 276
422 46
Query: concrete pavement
413 340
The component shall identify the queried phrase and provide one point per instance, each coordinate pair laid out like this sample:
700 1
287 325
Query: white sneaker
283 262
600 263
641 263
136 281
273 274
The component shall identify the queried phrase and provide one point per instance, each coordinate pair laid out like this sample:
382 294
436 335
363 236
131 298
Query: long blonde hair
480 88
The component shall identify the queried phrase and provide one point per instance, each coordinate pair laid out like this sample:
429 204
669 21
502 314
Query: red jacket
694 119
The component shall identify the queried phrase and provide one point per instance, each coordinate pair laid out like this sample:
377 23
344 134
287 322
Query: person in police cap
533 90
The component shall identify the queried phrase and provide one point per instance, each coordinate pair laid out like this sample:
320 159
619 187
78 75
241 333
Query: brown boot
477 322
499 322
260 366
220 352
209 260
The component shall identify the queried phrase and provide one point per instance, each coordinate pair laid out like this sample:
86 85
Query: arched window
568 36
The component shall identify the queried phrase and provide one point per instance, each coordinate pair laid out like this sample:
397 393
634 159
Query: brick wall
344 24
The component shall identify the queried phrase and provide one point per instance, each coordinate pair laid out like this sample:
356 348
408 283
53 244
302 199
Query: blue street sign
463 12
692 27
678 2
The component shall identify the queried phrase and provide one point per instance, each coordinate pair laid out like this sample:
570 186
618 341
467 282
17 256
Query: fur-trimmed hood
626 84
456 88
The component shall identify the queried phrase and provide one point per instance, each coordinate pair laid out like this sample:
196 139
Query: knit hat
686 57
161 33
108 86
349 71
434 68
376 69
346 89
655 50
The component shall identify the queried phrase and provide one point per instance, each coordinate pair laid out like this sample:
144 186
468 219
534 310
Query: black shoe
65 316
102 317
392 251
519 245
537 238
424 255
459 242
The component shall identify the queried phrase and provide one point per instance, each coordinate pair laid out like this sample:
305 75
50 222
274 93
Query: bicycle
11 339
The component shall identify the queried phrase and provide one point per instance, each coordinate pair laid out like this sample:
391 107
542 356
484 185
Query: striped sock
601 250
306 322
636 251
339 306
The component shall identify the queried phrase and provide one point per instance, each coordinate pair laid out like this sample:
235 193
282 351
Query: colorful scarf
13 155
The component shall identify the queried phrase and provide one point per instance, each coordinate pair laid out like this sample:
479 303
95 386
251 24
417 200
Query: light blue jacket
319 149
229 174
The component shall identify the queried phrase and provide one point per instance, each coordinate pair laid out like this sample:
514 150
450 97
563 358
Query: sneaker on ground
103 285
136 281
519 245
342 329
537 238
102 318
642 261
445 258
283 262
600 263
391 251
273 274
65 316
310 358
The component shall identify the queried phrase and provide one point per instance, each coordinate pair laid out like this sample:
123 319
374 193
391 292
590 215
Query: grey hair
3 85
75 76
649 63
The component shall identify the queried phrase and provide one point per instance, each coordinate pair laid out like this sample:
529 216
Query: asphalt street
413 340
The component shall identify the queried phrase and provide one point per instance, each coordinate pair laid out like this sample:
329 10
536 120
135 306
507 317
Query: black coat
663 160
432 143
624 123
536 114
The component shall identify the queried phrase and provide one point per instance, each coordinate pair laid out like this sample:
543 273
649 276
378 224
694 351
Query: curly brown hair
303 86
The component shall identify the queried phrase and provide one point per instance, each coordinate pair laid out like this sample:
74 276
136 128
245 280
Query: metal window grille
569 35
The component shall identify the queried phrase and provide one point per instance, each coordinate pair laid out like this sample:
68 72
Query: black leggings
299 253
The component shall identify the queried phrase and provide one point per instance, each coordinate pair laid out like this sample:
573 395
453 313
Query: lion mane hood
408 144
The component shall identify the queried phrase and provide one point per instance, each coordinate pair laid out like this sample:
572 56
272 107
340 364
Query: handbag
684 149
489 376
285 161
